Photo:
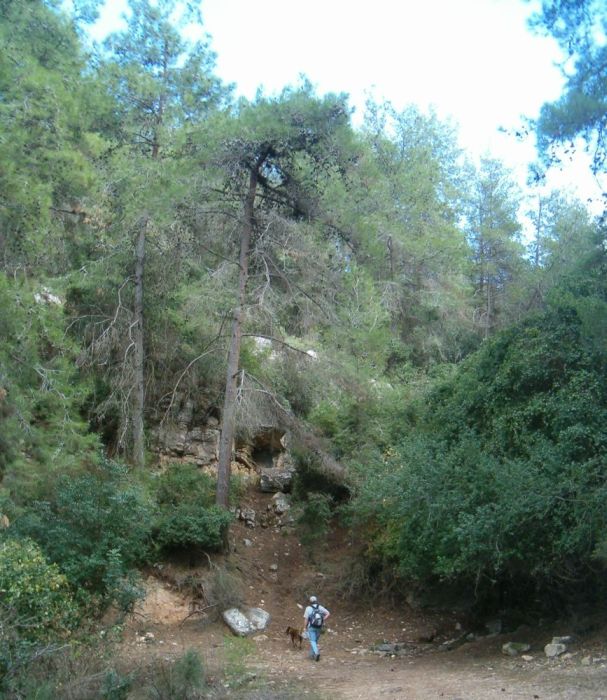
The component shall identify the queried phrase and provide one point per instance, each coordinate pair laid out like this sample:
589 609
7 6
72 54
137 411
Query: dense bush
96 528
37 610
504 484
191 526
187 515
35 593
359 426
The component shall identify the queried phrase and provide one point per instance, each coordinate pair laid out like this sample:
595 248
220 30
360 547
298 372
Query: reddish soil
348 667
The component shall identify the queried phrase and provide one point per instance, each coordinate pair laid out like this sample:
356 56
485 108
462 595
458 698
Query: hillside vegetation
369 289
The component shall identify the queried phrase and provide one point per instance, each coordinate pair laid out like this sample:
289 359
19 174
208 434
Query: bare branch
280 342
205 352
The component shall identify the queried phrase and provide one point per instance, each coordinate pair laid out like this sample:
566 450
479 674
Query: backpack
316 618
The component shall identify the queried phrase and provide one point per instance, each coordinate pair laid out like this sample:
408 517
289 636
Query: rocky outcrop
199 443
263 459
274 480
276 465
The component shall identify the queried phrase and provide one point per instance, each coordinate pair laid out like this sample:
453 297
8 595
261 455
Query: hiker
315 616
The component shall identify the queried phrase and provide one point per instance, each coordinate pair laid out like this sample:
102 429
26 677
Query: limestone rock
237 622
554 650
273 479
248 515
280 503
199 444
258 618
243 623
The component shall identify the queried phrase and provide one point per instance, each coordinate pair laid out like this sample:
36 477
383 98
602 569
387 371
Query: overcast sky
474 61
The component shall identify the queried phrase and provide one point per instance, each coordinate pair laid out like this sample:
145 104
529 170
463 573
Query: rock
259 618
527 657
276 480
515 648
247 543
237 622
280 503
562 640
554 650
248 515
200 443
273 567
587 661
244 623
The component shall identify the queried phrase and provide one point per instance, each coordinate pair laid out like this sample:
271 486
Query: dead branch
198 611
205 352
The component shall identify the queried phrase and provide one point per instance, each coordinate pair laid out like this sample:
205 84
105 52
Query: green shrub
183 483
187 515
96 529
35 593
182 679
502 487
191 526
115 686
77 670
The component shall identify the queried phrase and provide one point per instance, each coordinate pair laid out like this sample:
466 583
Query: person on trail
315 616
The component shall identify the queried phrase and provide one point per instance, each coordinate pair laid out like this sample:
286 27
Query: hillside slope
349 668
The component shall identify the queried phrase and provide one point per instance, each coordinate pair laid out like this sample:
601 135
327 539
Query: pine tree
161 86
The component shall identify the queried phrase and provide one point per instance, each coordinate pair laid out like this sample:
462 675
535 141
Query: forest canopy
443 367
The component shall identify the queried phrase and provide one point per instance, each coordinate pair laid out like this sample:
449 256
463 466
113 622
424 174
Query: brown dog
295 636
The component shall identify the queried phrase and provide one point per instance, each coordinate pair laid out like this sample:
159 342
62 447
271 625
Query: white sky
474 61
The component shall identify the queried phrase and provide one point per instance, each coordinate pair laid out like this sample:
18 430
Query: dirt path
449 675
280 578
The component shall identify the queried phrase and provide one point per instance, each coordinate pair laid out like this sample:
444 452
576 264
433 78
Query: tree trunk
228 414
489 312
139 379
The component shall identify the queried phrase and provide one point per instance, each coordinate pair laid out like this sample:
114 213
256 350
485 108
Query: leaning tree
267 166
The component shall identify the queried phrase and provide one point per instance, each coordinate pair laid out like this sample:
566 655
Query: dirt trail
280 577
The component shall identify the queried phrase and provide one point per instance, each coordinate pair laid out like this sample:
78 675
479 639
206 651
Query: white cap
313 599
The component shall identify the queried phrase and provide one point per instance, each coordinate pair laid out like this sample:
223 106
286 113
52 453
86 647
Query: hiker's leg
313 633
